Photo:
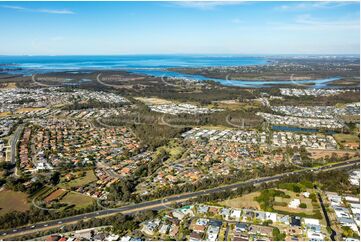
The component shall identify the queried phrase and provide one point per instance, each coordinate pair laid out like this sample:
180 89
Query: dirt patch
54 195
317 154
13 201
243 202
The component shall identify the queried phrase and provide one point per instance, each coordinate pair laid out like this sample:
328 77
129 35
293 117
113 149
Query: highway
162 203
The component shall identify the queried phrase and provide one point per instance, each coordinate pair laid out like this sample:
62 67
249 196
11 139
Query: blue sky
65 28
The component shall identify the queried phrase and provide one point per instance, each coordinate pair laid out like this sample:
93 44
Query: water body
296 129
153 65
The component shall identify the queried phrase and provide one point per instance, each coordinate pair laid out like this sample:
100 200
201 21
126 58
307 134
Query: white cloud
307 19
41 10
54 11
307 22
12 7
312 5
204 5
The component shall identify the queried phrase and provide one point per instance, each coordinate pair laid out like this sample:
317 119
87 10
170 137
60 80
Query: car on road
45 225
60 222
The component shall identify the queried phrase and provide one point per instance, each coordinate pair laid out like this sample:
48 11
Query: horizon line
194 54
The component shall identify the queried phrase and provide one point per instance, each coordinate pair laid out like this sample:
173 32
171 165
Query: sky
112 28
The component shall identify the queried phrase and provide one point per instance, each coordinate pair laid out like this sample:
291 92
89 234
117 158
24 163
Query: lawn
81 181
13 201
245 201
79 200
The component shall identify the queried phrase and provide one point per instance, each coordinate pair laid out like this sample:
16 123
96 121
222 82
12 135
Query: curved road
160 204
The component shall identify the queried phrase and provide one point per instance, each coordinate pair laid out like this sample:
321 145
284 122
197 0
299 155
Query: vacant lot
246 201
317 154
153 100
235 105
79 200
81 181
13 201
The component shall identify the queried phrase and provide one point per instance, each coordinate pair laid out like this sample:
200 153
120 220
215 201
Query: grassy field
316 154
246 201
307 201
173 148
77 199
25 110
351 118
13 201
81 181
9 85
4 114
153 100
350 141
216 127
346 138
235 105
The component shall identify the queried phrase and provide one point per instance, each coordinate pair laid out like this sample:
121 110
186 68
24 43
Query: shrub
303 205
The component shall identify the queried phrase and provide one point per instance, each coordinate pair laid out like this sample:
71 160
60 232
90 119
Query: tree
55 178
303 205
277 235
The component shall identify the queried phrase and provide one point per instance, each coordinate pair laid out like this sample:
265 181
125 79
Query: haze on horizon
110 28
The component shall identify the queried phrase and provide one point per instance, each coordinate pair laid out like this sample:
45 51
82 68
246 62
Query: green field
79 200
173 149
280 200
81 181
13 201
346 138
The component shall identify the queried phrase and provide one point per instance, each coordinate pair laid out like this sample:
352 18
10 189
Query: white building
295 203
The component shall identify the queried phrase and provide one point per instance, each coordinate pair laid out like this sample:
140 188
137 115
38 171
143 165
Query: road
162 203
325 214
